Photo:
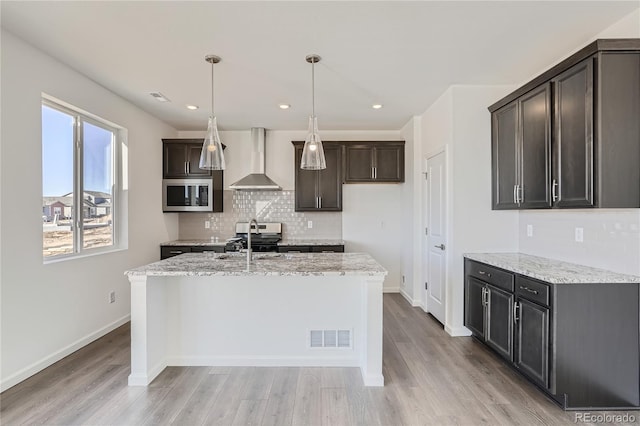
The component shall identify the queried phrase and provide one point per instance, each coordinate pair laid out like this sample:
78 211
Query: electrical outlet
529 230
207 224
112 297
579 235
309 224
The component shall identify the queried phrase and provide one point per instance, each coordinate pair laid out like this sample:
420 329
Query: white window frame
119 138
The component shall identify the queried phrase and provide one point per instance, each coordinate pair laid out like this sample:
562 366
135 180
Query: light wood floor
431 378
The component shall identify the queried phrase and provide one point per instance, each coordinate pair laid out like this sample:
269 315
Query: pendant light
212 157
312 153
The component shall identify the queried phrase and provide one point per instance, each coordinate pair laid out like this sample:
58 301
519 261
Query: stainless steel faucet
249 251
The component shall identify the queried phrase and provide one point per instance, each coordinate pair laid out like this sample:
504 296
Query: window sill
95 252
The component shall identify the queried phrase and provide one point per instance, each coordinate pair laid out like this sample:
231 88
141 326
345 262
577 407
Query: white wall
411 201
611 237
51 310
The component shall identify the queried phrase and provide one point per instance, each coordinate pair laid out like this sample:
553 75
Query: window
79 182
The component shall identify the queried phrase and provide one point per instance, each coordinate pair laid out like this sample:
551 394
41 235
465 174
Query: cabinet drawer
327 249
294 249
491 275
170 251
202 249
532 290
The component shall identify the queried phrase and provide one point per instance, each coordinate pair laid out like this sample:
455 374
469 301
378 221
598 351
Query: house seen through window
79 188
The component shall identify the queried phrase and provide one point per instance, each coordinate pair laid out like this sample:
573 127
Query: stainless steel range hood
257 180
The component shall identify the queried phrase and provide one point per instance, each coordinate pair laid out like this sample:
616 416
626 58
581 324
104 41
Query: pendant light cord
212 114
313 88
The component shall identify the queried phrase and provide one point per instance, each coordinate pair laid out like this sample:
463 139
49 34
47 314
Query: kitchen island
302 309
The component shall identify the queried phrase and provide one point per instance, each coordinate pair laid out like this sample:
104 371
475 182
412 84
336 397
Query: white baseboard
372 379
145 379
391 289
262 361
457 331
38 366
409 299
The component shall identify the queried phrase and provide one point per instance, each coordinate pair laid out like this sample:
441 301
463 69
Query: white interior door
436 226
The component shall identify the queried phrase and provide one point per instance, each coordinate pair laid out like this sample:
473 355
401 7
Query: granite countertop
311 242
550 270
278 264
220 243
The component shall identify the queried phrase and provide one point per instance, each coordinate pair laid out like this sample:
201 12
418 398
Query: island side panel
148 328
265 321
371 364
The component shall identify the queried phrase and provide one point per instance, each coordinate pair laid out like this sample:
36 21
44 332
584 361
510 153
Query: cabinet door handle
515 195
530 290
554 191
520 194
375 173
481 272
440 246
372 173
176 252
185 168
319 202
484 293
188 167
516 310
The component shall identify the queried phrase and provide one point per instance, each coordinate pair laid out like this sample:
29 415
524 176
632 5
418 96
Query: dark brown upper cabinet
319 190
572 184
521 144
371 162
591 155
181 159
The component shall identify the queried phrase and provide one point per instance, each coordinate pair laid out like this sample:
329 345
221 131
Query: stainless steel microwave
187 195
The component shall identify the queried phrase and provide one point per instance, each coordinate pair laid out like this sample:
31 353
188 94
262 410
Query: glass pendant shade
212 157
313 153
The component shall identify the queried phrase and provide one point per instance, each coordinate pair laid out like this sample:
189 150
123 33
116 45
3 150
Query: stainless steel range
264 238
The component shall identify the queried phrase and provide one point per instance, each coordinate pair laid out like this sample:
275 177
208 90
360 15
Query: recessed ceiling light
376 106
159 97
284 106
192 107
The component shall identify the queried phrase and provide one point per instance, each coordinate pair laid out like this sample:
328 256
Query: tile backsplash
611 238
264 206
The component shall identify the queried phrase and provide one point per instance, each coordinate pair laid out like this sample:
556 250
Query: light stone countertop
311 242
220 243
550 270
272 264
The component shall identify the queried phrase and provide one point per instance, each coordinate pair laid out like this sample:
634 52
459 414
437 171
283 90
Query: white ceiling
400 54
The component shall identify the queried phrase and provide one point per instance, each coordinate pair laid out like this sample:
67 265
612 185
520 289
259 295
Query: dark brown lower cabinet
171 250
488 314
311 249
474 313
532 335
579 343
499 334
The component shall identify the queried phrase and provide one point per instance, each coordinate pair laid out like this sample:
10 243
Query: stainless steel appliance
257 180
187 195
264 238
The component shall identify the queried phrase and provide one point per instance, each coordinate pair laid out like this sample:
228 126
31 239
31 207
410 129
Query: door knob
441 246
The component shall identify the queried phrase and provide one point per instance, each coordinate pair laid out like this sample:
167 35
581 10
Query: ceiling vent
159 97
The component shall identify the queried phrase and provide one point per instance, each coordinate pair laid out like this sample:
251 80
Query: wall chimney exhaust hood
257 180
